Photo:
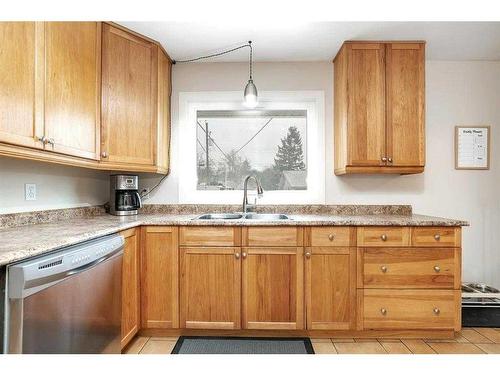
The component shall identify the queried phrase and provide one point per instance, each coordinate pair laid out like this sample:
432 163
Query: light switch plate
30 192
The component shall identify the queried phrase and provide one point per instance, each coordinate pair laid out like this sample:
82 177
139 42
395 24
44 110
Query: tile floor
469 341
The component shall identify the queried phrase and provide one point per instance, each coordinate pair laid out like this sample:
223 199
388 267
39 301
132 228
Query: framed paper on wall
472 147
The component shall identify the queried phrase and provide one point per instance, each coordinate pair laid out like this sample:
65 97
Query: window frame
311 101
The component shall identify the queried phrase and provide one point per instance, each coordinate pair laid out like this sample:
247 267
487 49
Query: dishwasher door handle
47 281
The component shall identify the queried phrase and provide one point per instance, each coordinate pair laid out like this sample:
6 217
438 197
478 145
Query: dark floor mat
242 345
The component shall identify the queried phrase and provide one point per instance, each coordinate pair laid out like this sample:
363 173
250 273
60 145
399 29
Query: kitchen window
280 142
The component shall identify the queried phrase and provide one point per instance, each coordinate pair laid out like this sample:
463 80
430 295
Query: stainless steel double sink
242 216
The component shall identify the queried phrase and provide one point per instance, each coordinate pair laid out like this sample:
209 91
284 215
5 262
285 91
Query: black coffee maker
124 195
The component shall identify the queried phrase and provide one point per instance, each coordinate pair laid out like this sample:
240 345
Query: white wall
457 93
57 186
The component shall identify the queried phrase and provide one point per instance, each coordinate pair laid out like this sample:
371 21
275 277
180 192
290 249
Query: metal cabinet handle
437 269
331 237
42 139
244 255
237 255
437 237
389 160
104 154
436 311
384 159
383 311
383 237
383 269
308 255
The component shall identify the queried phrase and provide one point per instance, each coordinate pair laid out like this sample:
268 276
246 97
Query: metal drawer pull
308 255
383 237
237 255
244 255
436 311
383 269
389 160
437 269
383 311
384 159
104 154
437 237
331 237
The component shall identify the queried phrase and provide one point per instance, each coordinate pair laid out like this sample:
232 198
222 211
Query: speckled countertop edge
18 243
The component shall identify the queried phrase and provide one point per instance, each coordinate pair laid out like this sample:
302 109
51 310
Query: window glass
232 144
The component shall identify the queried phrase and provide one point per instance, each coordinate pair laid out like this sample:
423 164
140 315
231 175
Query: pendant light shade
250 94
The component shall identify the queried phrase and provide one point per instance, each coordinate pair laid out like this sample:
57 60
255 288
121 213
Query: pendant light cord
249 45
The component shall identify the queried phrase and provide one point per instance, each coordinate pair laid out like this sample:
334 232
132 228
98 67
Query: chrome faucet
247 207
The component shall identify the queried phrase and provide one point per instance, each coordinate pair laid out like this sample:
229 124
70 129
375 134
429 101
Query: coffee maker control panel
123 182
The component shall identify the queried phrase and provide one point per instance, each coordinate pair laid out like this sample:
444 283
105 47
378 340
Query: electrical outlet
30 192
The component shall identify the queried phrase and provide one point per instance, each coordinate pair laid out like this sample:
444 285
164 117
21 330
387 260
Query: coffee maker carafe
124 195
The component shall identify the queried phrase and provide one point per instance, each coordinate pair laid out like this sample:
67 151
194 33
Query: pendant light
250 93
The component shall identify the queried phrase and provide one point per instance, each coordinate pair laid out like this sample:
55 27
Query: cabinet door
210 288
405 104
130 286
18 83
272 288
164 95
129 98
72 87
366 104
330 287
159 276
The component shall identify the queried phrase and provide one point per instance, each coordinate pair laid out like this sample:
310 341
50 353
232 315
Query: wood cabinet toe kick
349 281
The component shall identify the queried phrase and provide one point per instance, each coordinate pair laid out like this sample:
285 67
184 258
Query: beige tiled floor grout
143 345
460 342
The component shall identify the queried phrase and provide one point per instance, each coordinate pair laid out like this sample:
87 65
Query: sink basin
236 216
219 217
266 217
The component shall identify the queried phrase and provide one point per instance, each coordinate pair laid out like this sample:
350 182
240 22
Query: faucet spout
260 192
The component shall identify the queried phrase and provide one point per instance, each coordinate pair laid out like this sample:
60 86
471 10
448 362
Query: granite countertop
26 241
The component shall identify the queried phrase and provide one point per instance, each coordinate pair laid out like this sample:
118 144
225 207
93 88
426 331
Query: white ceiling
320 41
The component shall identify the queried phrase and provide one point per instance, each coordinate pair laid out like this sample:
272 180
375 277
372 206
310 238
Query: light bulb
250 95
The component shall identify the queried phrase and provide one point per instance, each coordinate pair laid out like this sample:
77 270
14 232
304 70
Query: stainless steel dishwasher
66 302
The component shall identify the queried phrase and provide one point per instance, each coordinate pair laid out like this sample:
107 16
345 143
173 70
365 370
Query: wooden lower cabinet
330 288
207 278
409 309
210 287
130 286
272 288
159 277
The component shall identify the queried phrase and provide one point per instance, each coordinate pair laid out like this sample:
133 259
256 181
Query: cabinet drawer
436 236
331 236
383 236
409 268
210 236
411 309
272 236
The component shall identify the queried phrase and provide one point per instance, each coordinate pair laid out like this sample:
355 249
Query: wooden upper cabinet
129 98
405 77
18 85
164 95
366 103
72 87
379 108
91 94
